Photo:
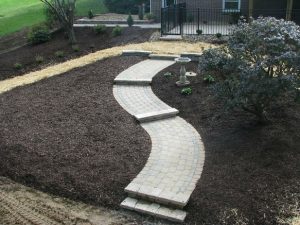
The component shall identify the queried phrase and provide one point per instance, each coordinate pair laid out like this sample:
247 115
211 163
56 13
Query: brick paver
144 70
138 99
177 155
175 163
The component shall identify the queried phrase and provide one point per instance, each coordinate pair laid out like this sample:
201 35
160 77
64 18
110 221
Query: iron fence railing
178 20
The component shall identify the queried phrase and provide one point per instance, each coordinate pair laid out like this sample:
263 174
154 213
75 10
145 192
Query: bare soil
67 135
27 206
251 173
88 42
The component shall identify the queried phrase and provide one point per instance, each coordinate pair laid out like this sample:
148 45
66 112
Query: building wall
296 12
155 8
195 4
276 8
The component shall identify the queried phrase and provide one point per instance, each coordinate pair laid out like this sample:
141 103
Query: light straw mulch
158 47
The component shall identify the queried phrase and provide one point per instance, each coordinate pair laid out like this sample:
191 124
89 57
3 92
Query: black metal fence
178 20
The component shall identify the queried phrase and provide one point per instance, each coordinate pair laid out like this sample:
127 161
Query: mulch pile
251 173
67 135
88 42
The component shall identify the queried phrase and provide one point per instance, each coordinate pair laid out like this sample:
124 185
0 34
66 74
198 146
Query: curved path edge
175 164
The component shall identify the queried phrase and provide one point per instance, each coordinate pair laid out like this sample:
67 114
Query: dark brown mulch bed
67 135
88 42
251 173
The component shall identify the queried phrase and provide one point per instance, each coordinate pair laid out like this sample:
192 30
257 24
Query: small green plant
18 66
59 54
209 79
130 20
39 59
199 32
218 35
38 34
75 48
90 14
117 31
100 29
150 16
186 91
92 47
168 74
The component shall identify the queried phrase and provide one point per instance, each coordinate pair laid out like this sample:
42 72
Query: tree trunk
71 35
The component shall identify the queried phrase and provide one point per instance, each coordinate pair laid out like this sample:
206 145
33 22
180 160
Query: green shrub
117 31
59 54
39 34
186 91
263 57
100 29
18 66
209 79
39 59
199 32
168 74
75 48
150 16
130 20
90 14
217 61
218 35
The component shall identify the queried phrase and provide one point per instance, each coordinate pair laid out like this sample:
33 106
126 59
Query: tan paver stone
176 161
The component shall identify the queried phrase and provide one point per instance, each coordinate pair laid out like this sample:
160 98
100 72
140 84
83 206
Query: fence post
161 22
198 18
180 19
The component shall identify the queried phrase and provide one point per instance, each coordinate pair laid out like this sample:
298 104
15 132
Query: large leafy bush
260 65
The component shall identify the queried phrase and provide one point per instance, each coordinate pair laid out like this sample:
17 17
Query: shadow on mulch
67 135
251 173
88 42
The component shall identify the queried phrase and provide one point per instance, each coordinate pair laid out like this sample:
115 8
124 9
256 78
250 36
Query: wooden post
289 9
250 8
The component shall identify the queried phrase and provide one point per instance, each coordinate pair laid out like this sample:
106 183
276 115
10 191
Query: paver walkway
170 175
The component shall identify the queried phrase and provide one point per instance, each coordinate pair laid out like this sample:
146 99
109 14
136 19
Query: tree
64 11
130 20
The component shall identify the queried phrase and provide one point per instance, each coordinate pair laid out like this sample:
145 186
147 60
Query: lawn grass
16 15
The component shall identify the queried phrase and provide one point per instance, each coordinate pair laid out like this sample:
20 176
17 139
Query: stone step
163 56
154 209
171 38
99 21
136 53
173 199
132 81
157 115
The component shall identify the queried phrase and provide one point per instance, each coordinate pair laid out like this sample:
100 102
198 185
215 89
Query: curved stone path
170 175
